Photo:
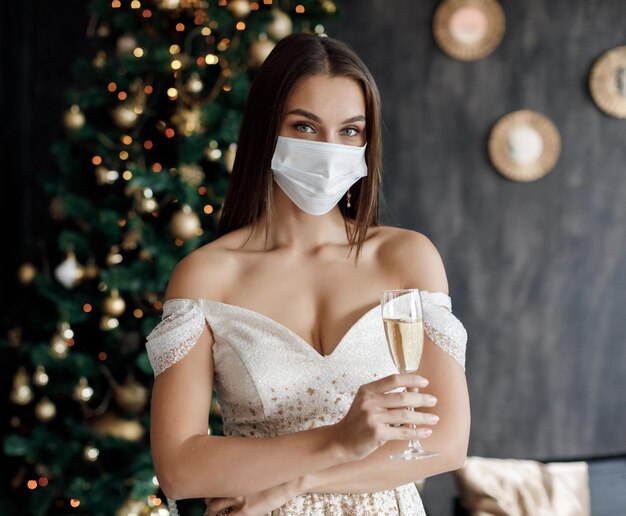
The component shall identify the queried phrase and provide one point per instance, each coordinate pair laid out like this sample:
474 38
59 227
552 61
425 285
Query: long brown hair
249 194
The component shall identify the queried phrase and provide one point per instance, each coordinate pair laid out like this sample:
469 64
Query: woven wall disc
524 145
607 82
468 29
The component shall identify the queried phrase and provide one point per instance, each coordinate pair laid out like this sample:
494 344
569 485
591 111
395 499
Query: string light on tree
91 453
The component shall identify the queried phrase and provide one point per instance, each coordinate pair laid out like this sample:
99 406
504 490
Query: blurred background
118 128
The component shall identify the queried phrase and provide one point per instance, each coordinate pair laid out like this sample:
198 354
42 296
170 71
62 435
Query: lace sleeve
181 324
442 327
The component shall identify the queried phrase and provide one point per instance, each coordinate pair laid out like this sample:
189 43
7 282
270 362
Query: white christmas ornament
69 272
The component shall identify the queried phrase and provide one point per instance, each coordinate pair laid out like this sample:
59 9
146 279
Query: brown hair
249 194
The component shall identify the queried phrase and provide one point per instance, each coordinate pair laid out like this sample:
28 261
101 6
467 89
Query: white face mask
315 175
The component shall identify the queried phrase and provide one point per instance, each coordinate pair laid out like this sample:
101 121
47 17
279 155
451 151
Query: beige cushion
512 487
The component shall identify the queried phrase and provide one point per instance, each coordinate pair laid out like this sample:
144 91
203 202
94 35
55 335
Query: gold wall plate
469 29
607 82
524 145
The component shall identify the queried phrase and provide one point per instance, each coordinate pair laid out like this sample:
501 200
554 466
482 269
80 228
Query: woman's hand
255 504
368 423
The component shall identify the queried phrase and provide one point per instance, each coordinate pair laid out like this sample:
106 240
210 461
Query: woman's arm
450 436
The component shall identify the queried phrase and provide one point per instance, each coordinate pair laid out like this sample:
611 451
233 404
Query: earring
348 203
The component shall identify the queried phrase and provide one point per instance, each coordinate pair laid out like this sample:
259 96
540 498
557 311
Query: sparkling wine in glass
404 330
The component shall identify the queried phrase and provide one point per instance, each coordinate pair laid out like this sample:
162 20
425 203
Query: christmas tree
151 130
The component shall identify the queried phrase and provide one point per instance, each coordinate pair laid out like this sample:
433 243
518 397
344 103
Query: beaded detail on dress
269 381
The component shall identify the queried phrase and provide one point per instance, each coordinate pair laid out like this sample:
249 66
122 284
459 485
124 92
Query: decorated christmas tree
150 138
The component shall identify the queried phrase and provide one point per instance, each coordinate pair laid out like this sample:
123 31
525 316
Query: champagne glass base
413 454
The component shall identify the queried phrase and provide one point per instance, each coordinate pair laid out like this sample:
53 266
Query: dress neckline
303 343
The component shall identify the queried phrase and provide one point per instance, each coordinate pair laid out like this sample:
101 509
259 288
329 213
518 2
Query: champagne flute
404 330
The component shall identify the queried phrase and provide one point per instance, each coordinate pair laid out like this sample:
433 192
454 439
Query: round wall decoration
524 145
468 29
607 82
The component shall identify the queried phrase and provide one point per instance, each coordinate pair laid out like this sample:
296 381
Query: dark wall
537 271
39 43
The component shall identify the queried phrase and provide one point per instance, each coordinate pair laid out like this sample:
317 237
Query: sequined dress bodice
269 381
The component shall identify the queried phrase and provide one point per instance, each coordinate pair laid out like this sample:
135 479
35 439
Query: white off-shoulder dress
269 381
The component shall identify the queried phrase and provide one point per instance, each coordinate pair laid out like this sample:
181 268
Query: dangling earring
348 203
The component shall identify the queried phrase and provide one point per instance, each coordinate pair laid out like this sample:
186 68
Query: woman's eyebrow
308 114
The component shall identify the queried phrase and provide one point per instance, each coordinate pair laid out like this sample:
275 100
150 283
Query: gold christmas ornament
280 26
100 60
104 176
259 50
194 84
145 255
134 507
91 269
57 211
69 273
189 120
22 392
40 377
125 44
82 391
116 426
14 336
74 118
329 6
114 257
131 239
240 8
169 5
125 116
114 304
103 30
91 453
108 323
229 157
132 395
45 410
215 407
191 174
26 273
185 224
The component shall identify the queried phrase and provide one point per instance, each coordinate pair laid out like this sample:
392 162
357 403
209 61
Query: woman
280 318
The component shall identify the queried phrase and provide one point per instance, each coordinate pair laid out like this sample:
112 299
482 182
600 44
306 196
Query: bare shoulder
415 258
206 272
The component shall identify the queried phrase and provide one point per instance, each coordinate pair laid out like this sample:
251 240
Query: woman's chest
317 300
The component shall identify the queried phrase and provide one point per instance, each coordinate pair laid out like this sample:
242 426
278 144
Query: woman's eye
297 126
356 131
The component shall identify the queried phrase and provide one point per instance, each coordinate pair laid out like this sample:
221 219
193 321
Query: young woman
283 319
